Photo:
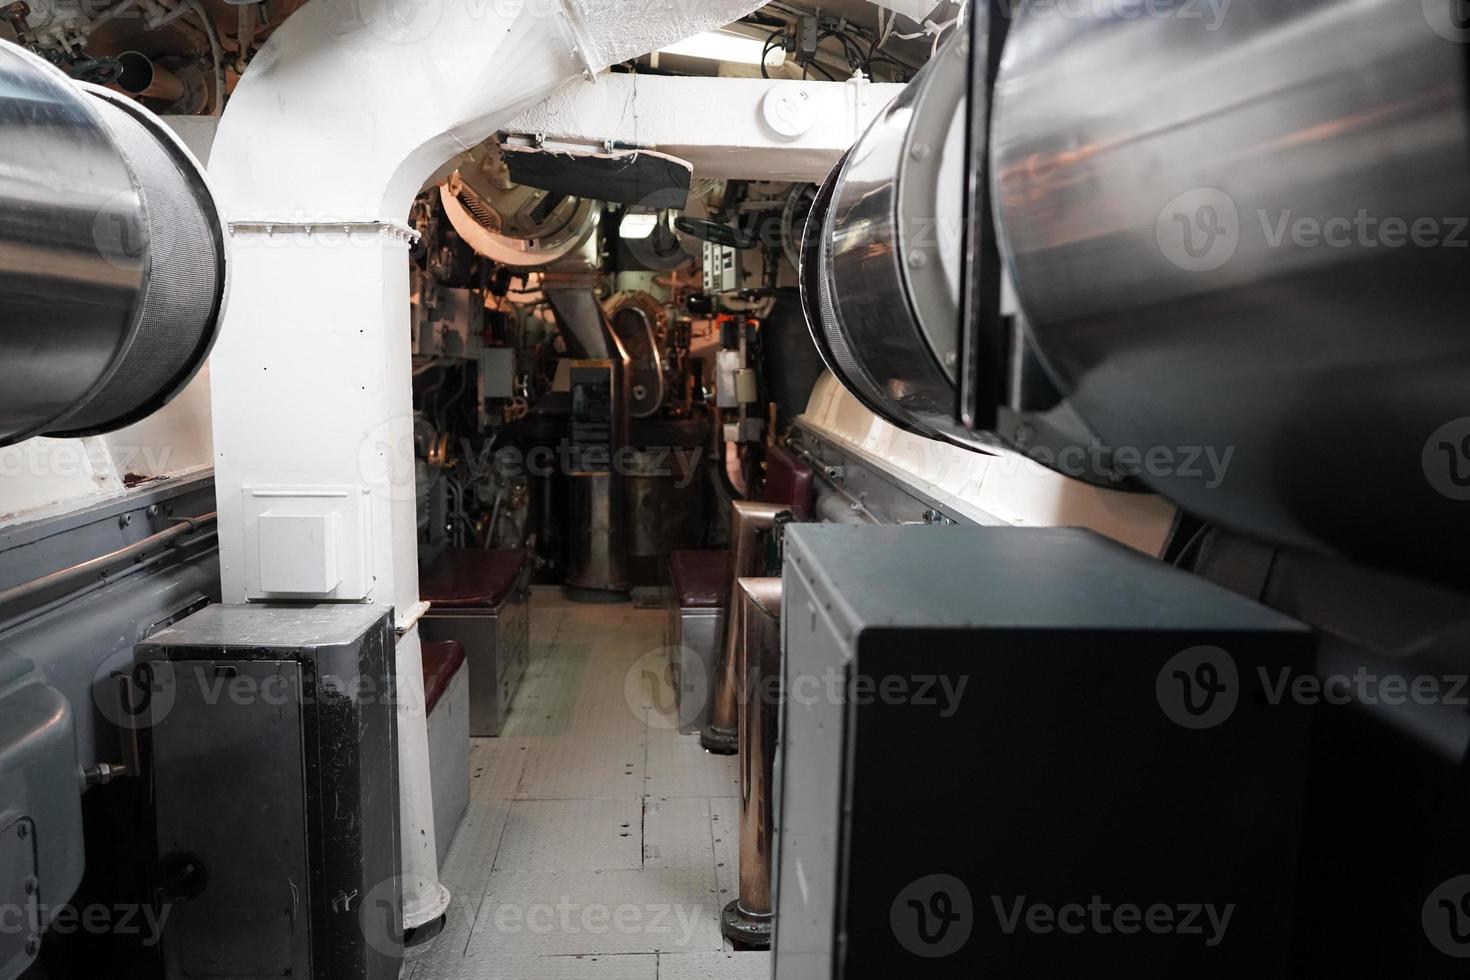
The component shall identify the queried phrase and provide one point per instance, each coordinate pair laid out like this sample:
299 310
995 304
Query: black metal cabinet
1030 752
274 754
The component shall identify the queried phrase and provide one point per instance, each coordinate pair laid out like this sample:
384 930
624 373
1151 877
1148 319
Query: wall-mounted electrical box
306 543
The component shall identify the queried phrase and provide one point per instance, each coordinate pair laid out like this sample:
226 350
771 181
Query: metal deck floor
600 843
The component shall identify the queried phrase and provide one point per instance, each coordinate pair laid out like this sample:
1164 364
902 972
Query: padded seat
482 600
442 661
471 578
701 578
789 481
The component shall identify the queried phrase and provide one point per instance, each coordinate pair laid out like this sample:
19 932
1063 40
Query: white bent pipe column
340 119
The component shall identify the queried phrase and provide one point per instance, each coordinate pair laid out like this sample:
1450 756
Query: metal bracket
581 45
325 225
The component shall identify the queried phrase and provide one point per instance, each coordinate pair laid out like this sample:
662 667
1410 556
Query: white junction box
306 543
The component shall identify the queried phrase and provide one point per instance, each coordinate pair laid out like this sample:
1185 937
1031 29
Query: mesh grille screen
175 314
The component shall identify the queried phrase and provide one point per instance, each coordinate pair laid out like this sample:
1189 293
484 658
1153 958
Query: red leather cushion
441 662
471 578
789 482
701 578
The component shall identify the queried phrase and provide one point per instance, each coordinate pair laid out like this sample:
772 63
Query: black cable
1195 540
849 47
765 52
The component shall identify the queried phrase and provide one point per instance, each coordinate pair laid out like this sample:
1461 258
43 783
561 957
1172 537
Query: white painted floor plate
545 885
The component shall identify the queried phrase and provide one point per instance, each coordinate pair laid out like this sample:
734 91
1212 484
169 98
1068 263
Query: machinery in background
573 381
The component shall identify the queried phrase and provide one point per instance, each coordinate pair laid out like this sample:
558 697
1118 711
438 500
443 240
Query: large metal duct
881 263
1245 234
112 257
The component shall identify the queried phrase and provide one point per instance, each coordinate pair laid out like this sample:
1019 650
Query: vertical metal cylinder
598 570
748 520
747 922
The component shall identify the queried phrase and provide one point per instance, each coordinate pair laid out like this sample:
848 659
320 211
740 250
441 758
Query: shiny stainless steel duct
881 256
112 256
748 920
1246 236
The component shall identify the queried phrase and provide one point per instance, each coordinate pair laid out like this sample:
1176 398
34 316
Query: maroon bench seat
701 579
442 661
471 578
482 600
789 481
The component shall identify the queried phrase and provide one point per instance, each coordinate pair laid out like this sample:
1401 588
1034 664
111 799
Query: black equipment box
1017 752
274 753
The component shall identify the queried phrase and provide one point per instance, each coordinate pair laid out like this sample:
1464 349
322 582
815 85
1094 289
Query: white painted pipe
343 115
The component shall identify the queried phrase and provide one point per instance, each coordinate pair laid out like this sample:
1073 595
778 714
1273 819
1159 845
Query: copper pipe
747 921
143 79
749 520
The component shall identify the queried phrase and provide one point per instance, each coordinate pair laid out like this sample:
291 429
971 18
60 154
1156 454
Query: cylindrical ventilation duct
112 257
881 257
1241 246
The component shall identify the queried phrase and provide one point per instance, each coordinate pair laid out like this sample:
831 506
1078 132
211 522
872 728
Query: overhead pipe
346 112
142 78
